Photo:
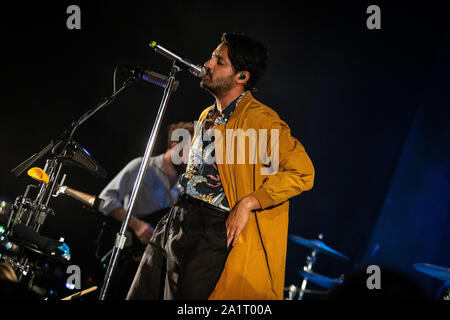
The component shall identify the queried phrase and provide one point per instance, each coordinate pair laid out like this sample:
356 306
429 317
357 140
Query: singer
226 237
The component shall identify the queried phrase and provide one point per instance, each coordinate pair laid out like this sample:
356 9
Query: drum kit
38 261
437 272
317 246
22 245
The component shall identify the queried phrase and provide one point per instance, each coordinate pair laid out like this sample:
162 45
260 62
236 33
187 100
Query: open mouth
208 75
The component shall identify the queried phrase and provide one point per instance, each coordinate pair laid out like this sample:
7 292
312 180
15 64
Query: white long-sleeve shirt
155 192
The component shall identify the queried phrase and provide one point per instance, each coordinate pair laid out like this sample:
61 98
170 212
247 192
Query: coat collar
241 106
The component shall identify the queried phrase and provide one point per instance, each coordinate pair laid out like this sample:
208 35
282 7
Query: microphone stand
120 237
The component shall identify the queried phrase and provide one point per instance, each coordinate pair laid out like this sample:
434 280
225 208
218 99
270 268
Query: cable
114 79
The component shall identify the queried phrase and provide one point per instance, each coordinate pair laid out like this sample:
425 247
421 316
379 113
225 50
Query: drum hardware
31 212
320 280
292 291
317 246
437 272
30 262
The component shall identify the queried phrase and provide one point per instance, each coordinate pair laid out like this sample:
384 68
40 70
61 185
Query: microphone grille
202 72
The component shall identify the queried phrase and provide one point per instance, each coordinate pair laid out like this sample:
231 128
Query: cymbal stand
310 260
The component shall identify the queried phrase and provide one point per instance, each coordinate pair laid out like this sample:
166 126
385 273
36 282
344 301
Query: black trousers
186 255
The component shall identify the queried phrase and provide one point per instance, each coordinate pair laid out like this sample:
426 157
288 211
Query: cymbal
324 282
433 270
317 245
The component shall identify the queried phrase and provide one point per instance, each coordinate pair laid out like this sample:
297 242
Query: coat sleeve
295 172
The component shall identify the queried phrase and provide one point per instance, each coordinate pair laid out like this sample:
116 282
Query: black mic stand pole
120 237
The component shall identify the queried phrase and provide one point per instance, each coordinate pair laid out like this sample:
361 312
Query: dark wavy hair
246 54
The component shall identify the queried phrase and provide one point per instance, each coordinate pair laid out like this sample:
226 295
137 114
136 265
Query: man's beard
218 87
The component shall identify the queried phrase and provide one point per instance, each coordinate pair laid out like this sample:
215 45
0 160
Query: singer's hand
238 218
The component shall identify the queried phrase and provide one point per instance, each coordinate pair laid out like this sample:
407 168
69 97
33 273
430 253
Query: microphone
150 76
196 70
88 200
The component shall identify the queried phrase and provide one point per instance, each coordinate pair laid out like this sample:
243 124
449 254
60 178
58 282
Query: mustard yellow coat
255 268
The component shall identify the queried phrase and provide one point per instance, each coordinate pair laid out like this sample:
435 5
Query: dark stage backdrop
354 97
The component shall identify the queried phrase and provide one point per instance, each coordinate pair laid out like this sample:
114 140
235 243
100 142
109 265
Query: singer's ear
242 77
